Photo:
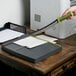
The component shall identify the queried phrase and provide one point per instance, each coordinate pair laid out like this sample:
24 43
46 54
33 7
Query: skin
71 9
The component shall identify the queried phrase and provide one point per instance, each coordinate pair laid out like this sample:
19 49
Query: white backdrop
11 11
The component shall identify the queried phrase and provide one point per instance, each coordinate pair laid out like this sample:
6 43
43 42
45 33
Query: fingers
71 9
74 13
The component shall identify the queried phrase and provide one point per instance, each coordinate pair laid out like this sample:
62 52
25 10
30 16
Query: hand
71 9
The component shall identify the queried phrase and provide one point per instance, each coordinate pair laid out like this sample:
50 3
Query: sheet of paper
47 38
30 42
1 26
9 34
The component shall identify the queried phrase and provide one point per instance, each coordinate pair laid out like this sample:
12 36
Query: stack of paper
9 34
47 38
31 41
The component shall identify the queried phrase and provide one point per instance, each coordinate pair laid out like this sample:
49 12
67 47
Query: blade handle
62 18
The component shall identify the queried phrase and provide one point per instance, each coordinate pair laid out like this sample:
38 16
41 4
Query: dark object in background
20 28
6 70
71 72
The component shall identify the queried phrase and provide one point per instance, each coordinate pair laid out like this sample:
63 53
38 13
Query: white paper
1 26
30 42
47 38
9 34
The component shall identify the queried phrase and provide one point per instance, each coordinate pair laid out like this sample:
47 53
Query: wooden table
52 66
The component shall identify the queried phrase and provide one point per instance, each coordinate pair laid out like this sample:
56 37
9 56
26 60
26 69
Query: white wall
11 11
